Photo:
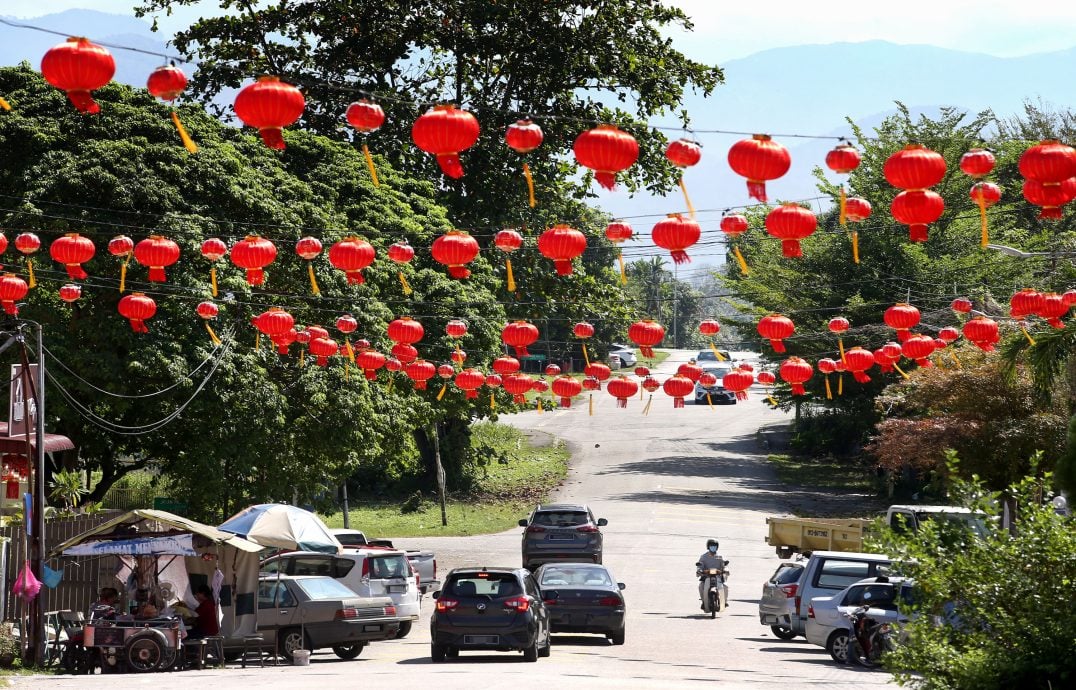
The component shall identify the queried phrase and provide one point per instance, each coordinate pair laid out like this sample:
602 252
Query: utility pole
347 509
35 393
435 428
676 305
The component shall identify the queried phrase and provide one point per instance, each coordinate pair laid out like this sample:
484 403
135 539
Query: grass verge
824 473
659 357
518 472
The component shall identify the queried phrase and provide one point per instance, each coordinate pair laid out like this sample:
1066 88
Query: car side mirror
621 586
523 523
602 522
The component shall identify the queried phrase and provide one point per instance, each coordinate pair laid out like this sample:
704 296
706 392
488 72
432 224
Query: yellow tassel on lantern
840 385
586 357
771 400
313 280
123 273
388 388
540 410
646 410
641 392
901 372
829 391
510 277
740 260
404 284
441 393
623 273
258 340
370 165
709 401
349 352
188 143
530 185
956 360
843 218
1030 340
213 279
591 405
212 335
687 199
980 201
717 354
30 273
302 358
840 346
855 247
493 401
4 104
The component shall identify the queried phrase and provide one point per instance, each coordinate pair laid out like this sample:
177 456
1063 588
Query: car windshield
972 521
483 584
561 518
383 567
321 588
569 575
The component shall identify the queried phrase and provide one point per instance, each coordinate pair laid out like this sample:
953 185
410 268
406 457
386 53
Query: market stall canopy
282 526
16 443
116 537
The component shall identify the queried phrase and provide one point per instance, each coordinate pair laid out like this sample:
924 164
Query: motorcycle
870 639
716 591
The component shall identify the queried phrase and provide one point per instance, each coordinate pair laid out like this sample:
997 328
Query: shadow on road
580 640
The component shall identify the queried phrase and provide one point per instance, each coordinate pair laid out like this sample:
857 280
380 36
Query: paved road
665 482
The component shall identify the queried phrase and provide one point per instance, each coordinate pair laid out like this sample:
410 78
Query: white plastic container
300 657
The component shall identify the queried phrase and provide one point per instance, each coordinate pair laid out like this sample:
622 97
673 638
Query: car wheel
837 646
546 650
289 641
349 652
531 653
405 629
437 652
784 552
783 632
617 637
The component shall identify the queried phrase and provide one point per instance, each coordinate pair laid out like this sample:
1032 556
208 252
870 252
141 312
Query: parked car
561 533
709 356
625 353
719 395
368 572
777 605
491 609
827 573
424 563
327 612
829 627
583 598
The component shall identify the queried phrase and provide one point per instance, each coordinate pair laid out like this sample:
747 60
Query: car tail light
446 604
533 529
609 601
789 590
390 610
346 614
549 602
520 604
586 528
810 610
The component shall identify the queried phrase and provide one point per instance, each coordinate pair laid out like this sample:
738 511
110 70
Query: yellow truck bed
804 535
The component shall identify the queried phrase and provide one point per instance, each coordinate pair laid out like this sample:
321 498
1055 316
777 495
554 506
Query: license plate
562 537
371 628
481 639
397 588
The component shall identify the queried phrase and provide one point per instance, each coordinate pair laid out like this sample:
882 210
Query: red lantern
351 255
961 305
709 328
759 159
78 67
420 371
988 192
618 231
776 328
404 352
323 349
70 292
678 387
518 385
157 253
676 234
858 362
539 386
566 388
901 317
642 372
607 150
583 330
445 131
646 334
1025 303
683 153
269 105
275 321
405 330
458 356
523 137
304 336
552 370
651 384
346 324
983 332
843 158
827 366
446 371
734 224
738 381
1050 197
519 334
137 308
506 365
939 344
27 243
917 209
72 250
914 167
121 245
494 381
392 364
796 372
455 249
766 378
791 223
838 325
977 163
456 328
167 83
370 361
253 254
1049 162
622 388
508 241
364 116
470 380
691 371
949 334
561 244
857 209
1054 309
213 250
12 289
597 371
1070 297
919 348
401 252
207 310
308 249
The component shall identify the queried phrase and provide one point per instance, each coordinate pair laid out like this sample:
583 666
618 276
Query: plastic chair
253 644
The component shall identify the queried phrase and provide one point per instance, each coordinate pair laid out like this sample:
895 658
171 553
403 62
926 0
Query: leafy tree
994 611
675 304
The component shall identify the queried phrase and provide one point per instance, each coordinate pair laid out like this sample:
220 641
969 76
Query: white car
828 625
372 572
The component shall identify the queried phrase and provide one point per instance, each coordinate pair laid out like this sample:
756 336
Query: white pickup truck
424 563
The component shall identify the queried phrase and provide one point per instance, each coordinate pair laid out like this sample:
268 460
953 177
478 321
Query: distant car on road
827 627
326 611
777 605
561 533
583 598
424 563
719 395
624 353
709 356
489 609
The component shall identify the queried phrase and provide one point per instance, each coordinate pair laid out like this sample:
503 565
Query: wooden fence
82 577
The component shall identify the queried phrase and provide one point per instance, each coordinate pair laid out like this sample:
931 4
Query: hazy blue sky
727 29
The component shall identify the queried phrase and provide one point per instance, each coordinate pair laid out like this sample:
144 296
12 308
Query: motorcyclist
710 559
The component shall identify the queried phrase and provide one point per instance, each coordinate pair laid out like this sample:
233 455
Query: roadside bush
839 433
993 612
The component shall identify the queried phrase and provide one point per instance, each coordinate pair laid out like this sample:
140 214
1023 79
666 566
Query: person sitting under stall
105 606
207 624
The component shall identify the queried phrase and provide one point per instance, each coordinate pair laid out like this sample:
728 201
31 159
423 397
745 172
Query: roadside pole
435 429
347 510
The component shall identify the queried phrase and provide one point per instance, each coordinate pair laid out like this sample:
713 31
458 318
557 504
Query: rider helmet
711 542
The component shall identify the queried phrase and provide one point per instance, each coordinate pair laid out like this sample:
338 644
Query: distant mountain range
807 89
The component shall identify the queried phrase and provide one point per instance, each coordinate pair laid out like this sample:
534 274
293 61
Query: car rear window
561 518
553 576
838 574
483 584
384 567
322 588
321 565
787 574
878 595
351 539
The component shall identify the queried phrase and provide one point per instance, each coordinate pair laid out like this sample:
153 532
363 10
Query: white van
370 572
826 574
